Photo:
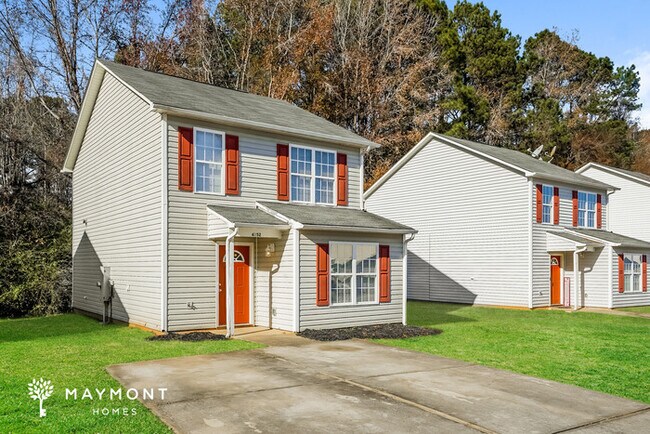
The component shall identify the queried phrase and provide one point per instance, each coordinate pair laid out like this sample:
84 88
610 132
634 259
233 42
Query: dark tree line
389 70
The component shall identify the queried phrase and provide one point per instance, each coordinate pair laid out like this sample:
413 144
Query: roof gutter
359 229
261 126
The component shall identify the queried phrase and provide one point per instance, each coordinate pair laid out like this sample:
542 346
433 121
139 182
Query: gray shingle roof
570 237
612 237
246 215
335 217
542 169
175 92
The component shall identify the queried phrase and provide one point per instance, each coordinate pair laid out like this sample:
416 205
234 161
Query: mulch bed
380 331
189 337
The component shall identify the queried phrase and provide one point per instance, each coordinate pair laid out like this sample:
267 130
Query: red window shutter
575 208
341 179
539 203
185 159
283 172
556 205
644 273
232 165
322 275
599 211
621 273
384 274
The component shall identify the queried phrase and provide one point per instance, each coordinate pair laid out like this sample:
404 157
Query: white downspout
230 283
578 276
164 230
405 242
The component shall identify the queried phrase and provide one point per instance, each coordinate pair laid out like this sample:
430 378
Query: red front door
556 282
242 285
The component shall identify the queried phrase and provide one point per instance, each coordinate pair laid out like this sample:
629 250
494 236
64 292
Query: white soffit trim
87 106
612 170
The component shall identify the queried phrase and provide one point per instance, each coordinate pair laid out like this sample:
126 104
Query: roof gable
515 160
187 98
639 177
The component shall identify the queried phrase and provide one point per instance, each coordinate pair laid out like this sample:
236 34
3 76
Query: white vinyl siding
273 292
630 208
191 255
313 316
595 280
117 186
471 217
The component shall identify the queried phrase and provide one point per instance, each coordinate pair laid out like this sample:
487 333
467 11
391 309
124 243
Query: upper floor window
632 272
547 204
208 161
587 209
312 175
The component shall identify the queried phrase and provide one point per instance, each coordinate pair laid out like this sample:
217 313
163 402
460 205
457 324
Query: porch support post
577 304
230 283
577 283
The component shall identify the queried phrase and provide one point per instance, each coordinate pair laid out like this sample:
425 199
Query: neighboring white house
499 227
629 212
213 206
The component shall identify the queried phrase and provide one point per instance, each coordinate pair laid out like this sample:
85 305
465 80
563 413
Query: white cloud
642 63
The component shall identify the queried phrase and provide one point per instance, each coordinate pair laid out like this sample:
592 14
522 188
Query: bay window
312 175
353 273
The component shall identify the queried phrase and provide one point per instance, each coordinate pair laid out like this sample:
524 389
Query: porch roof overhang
607 237
330 218
567 242
250 222
572 239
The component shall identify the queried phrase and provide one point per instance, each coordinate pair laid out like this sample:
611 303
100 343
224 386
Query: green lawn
638 309
72 351
608 353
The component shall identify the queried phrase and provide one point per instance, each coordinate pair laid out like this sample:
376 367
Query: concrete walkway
296 385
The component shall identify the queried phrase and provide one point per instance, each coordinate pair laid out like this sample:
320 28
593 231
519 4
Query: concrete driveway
296 385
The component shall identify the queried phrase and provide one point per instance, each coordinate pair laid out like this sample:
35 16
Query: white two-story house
213 207
499 227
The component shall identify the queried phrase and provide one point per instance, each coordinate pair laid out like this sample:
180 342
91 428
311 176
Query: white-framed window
632 272
313 175
547 204
354 269
586 209
208 161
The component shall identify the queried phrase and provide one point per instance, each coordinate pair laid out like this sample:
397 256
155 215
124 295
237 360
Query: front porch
567 266
267 266
247 242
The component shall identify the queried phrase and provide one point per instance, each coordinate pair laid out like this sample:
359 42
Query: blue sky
616 29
